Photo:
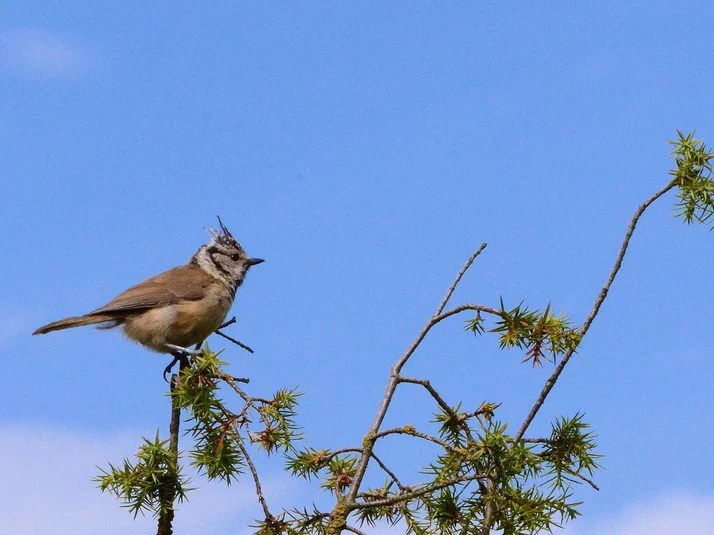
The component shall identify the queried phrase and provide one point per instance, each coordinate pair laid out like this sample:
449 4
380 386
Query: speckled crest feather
223 258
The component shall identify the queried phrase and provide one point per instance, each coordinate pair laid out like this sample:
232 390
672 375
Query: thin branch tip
593 312
229 322
236 342
451 289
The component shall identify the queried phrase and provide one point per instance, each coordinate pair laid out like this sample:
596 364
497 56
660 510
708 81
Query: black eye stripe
213 250
218 265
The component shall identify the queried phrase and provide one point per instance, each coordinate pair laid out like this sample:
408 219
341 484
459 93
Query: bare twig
409 430
467 265
332 454
228 323
438 316
354 530
388 472
236 342
596 308
258 489
439 400
416 493
241 379
587 480
463 308
232 383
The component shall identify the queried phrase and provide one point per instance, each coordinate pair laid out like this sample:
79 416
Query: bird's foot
181 354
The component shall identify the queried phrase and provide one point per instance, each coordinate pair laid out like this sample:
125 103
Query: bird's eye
235 257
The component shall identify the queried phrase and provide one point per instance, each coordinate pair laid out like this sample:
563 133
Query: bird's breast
184 324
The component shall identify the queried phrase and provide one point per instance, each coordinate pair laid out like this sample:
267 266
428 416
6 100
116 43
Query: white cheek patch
227 276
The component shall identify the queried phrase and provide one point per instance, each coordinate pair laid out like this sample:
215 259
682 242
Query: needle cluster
543 335
693 177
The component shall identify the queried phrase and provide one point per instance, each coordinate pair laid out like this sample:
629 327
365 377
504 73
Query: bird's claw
168 368
180 354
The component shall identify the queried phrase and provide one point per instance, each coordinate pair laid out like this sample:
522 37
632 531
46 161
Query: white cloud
664 515
41 53
46 487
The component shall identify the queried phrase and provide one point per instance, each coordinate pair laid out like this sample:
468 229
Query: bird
179 308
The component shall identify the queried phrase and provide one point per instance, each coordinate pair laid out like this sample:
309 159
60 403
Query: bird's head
223 258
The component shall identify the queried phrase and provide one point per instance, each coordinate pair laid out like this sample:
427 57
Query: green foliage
307 463
451 424
296 522
151 484
216 451
219 433
278 417
524 487
283 525
693 177
334 469
341 471
387 513
543 335
569 452
217 430
521 482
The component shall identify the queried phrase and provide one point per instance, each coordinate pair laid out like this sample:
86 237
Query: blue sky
364 150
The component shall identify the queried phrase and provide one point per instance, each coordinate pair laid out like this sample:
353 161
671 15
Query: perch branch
166 518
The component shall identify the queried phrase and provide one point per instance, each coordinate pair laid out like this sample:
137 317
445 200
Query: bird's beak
254 261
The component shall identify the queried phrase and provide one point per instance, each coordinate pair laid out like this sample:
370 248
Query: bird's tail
77 321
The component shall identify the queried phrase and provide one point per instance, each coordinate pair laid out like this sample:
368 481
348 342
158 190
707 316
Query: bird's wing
182 283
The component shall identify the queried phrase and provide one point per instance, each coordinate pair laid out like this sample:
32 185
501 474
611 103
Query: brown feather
68 323
170 287
182 283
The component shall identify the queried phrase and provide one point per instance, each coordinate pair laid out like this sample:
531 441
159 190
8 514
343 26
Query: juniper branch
426 489
593 313
166 514
256 480
394 375
409 430
439 400
467 265
388 471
